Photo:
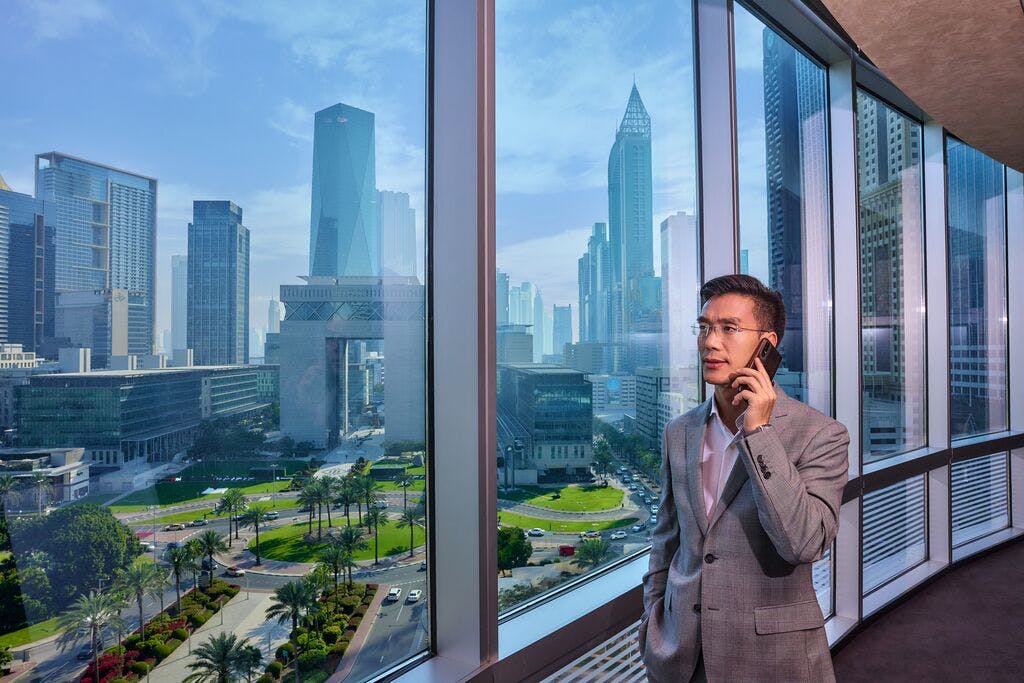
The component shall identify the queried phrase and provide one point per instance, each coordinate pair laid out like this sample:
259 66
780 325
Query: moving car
394 594
639 527
535 531
653 520
234 570
414 595
617 535
84 652
592 533
197 522
174 527
654 509
273 514
148 547
423 566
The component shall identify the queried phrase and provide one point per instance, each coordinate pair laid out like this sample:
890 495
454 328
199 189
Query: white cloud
547 262
58 19
181 53
749 40
293 120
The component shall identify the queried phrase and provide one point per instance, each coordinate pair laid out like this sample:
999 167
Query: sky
217 102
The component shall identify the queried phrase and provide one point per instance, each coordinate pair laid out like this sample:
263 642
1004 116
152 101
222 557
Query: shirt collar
718 419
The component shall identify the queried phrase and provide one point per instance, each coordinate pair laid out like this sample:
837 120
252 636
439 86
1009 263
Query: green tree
257 515
233 502
592 553
405 481
90 615
196 551
141 579
602 459
374 519
347 496
351 540
290 601
333 558
219 659
181 560
410 517
367 488
8 485
249 661
514 549
210 543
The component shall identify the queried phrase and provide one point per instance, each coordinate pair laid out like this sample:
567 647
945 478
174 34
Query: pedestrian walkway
348 660
245 616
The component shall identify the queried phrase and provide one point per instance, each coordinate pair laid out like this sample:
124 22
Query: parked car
535 531
566 550
197 522
623 468
618 535
592 533
174 527
306 509
173 544
639 527
394 594
234 570
414 595
654 509
626 477
273 514
206 564
423 566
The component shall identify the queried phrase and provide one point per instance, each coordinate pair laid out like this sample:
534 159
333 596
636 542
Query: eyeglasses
704 330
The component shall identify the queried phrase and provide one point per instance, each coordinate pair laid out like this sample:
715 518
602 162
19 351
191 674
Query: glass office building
475 233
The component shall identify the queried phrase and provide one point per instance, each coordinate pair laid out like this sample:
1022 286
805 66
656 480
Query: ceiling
962 61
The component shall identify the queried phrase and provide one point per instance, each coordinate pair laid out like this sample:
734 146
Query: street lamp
508 457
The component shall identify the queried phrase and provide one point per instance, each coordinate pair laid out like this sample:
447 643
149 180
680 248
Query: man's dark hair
769 309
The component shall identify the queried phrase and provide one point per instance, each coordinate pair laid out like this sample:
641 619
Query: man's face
722 353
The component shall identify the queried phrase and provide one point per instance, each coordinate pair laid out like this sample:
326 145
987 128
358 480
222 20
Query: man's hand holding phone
755 387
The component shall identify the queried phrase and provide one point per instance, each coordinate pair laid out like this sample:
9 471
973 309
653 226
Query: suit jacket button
696 608
760 459
767 475
709 558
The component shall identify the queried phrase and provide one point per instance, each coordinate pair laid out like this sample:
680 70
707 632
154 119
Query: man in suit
752 481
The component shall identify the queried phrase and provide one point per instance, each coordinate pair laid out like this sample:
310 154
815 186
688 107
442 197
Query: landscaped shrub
163 651
285 652
119 680
200 618
274 669
265 678
339 648
133 641
354 622
180 633
140 668
331 634
311 660
361 610
301 630
346 637
349 603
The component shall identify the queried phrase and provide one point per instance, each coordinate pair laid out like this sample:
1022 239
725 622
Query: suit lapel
694 447
738 476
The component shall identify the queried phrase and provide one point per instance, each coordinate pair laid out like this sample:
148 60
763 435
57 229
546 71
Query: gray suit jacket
738 585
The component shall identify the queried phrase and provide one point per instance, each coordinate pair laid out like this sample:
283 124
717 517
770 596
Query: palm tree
405 481
347 497
196 551
409 518
90 614
328 487
119 602
139 580
367 487
250 659
232 502
210 543
181 560
350 539
592 553
332 558
307 496
290 601
254 516
41 483
218 659
374 518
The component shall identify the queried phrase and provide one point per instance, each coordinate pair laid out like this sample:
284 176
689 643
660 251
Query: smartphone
769 355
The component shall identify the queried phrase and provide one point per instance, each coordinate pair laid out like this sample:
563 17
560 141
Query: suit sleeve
798 505
665 540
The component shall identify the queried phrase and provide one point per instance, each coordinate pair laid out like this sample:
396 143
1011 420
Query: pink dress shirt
718 455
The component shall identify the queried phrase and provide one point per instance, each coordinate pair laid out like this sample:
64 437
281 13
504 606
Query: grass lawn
167 493
572 498
523 522
417 485
188 516
30 634
287 542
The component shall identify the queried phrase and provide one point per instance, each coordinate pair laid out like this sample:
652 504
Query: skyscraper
104 239
501 294
179 302
561 332
344 240
539 337
218 284
680 280
30 298
5 236
397 230
630 217
274 316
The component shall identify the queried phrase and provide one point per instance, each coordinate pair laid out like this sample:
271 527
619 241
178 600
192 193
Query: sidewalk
348 660
246 618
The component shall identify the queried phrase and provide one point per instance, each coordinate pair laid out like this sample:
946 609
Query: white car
654 509
639 527
148 547
618 535
535 531
234 571
394 594
653 520
273 514
414 595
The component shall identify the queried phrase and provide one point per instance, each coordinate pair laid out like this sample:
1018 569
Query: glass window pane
980 504
894 531
977 291
225 256
784 197
892 279
597 277
821 577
